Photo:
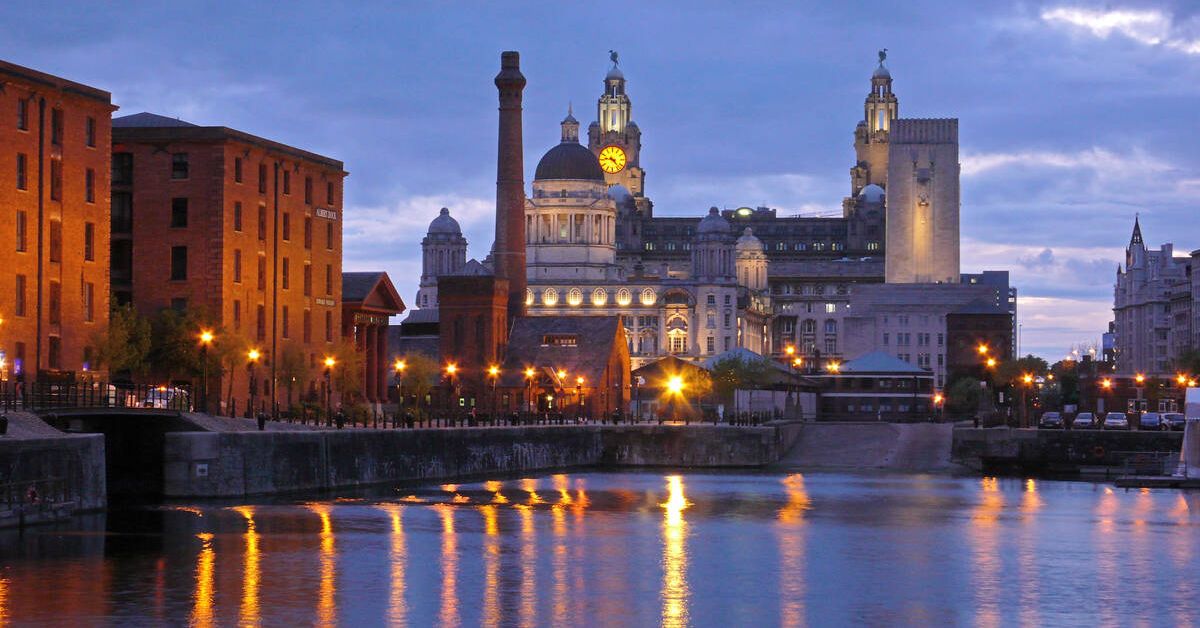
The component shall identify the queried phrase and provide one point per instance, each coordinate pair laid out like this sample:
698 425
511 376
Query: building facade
245 231
54 212
1152 308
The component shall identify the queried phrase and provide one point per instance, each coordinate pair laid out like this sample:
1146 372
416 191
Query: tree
1188 362
734 372
421 374
292 368
1011 371
125 347
348 372
962 398
175 344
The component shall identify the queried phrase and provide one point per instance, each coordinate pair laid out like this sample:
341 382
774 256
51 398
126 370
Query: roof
55 82
880 362
569 160
149 127
421 316
981 306
444 224
596 339
372 289
402 345
147 119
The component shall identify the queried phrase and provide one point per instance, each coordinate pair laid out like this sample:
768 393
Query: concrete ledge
66 471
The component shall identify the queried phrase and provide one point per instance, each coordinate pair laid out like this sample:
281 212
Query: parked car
1151 421
1051 421
1174 421
167 398
1084 421
1115 421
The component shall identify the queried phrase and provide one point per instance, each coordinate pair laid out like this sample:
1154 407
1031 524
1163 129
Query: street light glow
253 355
983 349
1181 379
991 362
790 350
1139 378
329 362
797 362
938 398
1027 378
834 367
579 380
493 370
451 368
529 373
400 366
206 336
1106 383
675 385
562 374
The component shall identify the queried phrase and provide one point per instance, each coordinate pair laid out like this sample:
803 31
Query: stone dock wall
46 479
236 464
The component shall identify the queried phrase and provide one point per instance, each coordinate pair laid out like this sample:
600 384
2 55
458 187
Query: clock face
612 159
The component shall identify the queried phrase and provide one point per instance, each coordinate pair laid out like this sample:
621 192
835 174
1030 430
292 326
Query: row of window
56 247
285 322
802 289
122 174
904 339
56 179
87 297
57 124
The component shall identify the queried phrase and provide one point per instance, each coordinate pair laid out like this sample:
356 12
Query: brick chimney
509 254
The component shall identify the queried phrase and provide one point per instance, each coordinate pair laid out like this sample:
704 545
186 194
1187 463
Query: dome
614 74
444 224
569 160
713 223
872 194
749 242
881 73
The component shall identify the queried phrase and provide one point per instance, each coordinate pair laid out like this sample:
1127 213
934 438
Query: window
262 178
287 181
712 299
56 179
727 315
237 169
328 326
22 114
55 353
329 236
286 267
19 306
179 213
285 330
831 308
308 280
89 185
89 296
237 216
885 338
328 279
308 232
560 340
178 263
122 168
56 127
329 192
237 314
262 222
90 132
89 241
287 226
55 303
308 190
22 164
307 326
710 344
260 322
237 266
941 338
262 272
56 240
179 166
22 231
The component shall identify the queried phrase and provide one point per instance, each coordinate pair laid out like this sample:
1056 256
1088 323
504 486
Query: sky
1073 116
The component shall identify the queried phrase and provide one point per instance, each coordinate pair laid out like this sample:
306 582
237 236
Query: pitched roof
147 119
595 340
359 287
880 362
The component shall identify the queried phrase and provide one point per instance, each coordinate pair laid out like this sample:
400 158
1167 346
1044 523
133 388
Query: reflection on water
629 549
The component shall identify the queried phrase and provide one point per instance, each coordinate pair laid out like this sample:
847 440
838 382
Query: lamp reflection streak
983 533
1106 547
202 610
792 587
675 591
326 604
1031 503
448 616
3 601
528 610
491 566
251 574
561 588
398 557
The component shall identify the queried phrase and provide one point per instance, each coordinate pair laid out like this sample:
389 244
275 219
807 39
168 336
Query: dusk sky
1073 116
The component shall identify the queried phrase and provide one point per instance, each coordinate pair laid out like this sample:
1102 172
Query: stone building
54 213
244 230
368 300
1152 308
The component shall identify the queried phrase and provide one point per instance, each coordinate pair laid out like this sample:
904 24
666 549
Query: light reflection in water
1031 503
491 565
1181 552
251 615
326 604
675 591
530 485
3 601
528 611
791 552
1108 572
202 609
398 557
494 487
559 529
983 534
449 611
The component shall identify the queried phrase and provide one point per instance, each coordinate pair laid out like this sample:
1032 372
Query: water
630 549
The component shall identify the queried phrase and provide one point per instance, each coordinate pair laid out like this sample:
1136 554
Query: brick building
244 230
54 209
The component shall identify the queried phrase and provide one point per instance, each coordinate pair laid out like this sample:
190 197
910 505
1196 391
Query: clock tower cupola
614 137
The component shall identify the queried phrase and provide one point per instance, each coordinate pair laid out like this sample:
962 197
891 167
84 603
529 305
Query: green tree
963 396
292 369
125 347
421 374
175 343
1011 371
348 372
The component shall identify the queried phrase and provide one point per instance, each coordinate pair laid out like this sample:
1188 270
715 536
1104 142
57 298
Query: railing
53 395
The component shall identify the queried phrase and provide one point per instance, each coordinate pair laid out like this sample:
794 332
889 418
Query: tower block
922 202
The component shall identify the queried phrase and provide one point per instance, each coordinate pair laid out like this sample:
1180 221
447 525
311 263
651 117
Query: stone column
381 353
370 372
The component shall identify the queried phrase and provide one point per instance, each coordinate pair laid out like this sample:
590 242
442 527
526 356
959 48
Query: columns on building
367 344
381 358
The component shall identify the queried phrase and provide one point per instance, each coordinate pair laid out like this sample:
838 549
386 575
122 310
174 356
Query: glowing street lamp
399 367
206 339
529 373
1106 383
1181 379
833 367
991 362
252 357
790 350
579 394
494 375
330 362
982 348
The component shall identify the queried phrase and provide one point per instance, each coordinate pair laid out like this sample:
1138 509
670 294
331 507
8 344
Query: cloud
1050 324
1044 259
1148 27
1134 163
792 193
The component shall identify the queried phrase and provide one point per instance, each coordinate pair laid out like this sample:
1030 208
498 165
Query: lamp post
206 338
252 357
1105 385
529 373
451 371
1140 380
637 397
329 364
493 375
675 387
1027 382
399 366
938 400
797 362
579 395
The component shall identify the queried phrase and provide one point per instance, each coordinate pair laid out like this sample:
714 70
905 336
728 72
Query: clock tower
615 138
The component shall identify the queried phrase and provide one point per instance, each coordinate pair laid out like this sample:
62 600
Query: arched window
648 296
549 296
574 297
808 327
830 327
624 297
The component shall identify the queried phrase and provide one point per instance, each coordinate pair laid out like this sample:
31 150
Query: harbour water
629 549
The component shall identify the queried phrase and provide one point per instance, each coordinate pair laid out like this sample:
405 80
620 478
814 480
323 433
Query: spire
570 126
1136 239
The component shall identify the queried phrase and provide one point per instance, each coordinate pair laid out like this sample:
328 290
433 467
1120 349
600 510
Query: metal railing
36 396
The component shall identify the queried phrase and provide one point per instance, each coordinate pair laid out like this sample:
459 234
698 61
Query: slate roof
596 337
357 287
421 316
147 119
880 362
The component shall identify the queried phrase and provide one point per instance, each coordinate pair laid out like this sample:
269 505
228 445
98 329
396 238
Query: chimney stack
509 254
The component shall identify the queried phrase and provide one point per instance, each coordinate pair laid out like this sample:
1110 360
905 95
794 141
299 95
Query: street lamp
1027 380
529 373
579 395
938 399
399 366
206 338
329 364
1140 381
675 388
834 367
252 357
493 374
451 370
